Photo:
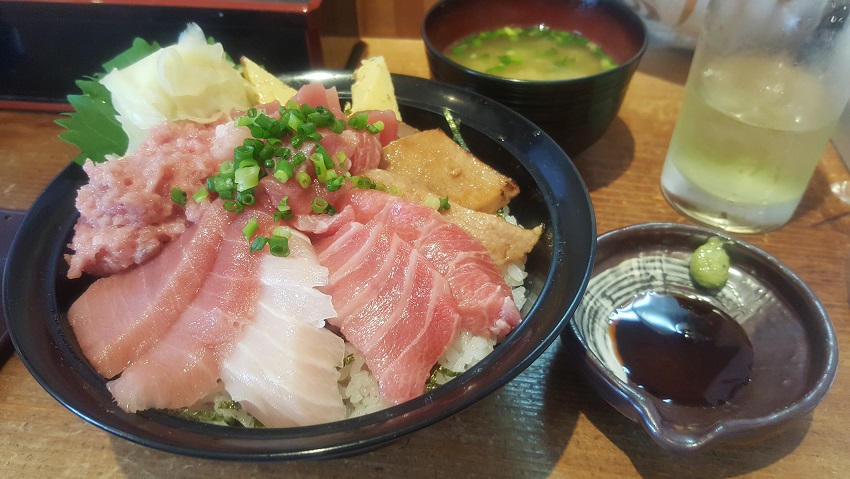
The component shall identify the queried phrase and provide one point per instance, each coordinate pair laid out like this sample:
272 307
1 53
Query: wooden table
547 422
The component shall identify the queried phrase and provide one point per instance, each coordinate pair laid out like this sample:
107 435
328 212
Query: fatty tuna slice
485 301
284 369
183 366
393 306
120 317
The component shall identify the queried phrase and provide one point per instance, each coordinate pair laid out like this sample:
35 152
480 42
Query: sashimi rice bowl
297 266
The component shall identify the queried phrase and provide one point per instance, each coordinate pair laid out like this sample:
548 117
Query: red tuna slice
392 305
270 192
388 118
362 149
120 317
315 94
485 301
183 366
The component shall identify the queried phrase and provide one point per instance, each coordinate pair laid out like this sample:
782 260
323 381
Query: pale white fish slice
284 369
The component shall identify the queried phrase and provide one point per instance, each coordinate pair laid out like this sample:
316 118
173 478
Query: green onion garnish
284 211
178 196
319 205
201 195
375 128
304 179
258 244
247 177
283 171
358 121
233 206
250 228
279 246
282 231
437 203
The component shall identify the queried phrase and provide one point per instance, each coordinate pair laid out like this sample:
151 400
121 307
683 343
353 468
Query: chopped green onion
362 182
244 152
284 211
437 203
319 205
223 186
233 206
304 179
282 231
258 244
335 184
279 246
375 128
283 153
247 177
248 163
178 196
338 126
201 195
283 171
358 121
246 198
250 228
227 168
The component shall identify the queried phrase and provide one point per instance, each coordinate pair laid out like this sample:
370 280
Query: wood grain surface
547 422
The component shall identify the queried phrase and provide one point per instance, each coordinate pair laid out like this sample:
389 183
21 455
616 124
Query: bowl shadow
721 461
532 419
667 63
607 159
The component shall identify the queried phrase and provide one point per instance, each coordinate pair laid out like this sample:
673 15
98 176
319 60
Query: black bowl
37 294
576 112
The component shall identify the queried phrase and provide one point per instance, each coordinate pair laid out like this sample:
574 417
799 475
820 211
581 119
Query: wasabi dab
709 265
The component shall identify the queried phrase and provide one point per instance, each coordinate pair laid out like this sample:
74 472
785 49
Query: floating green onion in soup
531 53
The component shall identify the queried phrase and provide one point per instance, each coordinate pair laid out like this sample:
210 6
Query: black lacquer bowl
794 345
575 112
37 294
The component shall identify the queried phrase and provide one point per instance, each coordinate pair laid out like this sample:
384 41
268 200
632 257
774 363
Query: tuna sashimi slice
485 301
393 306
121 317
183 366
284 368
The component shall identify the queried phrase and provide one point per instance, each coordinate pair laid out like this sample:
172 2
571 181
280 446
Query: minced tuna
126 211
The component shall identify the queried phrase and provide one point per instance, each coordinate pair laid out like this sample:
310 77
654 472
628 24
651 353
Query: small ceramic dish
795 352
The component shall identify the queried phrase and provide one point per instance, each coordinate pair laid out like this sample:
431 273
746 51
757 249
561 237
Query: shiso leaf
93 126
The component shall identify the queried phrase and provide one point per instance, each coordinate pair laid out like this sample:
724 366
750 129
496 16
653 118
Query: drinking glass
767 85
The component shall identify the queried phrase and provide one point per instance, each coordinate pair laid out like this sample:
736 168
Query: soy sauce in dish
681 349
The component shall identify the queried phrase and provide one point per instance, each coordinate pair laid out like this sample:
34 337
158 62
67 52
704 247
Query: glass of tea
767 85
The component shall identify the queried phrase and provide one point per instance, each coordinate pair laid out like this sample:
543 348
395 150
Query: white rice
514 274
358 387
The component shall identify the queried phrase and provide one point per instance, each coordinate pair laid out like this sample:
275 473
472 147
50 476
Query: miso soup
531 53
